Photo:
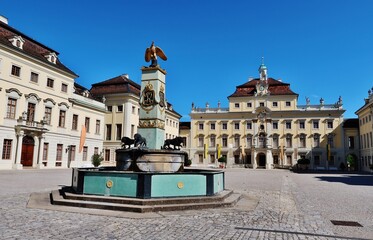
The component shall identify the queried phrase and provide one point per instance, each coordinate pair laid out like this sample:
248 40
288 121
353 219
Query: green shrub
97 159
304 161
222 160
187 162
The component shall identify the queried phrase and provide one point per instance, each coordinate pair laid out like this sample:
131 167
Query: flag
219 150
82 138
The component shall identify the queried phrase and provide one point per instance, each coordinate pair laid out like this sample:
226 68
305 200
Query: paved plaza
276 204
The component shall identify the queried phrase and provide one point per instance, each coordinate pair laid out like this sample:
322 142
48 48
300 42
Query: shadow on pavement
363 180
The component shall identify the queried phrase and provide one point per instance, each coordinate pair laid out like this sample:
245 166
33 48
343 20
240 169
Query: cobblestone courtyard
277 204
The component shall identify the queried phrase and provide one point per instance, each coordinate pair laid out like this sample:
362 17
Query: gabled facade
121 97
264 127
44 108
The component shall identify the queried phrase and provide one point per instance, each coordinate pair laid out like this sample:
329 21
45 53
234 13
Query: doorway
27 151
261 159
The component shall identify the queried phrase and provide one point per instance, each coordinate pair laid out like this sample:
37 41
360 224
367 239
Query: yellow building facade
264 127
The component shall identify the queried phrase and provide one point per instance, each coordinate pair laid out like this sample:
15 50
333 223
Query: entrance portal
261 160
27 151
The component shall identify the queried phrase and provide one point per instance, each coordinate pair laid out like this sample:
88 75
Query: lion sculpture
175 142
139 141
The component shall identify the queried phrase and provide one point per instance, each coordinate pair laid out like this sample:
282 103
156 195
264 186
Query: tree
97 159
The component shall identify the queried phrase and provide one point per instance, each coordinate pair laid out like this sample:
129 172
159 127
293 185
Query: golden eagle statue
152 52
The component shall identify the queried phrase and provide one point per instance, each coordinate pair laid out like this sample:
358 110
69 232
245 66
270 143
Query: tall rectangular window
330 124
48 115
16 71
86 123
30 112
11 108
50 82
61 119
212 126
95 150
34 77
225 141
200 141
107 154
119 132
120 108
316 140
59 155
74 125
224 126
45 151
236 126
98 125
7 148
275 125
200 126
64 87
351 142
72 152
212 140
85 153
108 131
301 124
249 125
315 124
288 124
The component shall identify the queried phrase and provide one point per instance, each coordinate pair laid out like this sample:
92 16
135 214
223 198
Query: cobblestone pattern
277 216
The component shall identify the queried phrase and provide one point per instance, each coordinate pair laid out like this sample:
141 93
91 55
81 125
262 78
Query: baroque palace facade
48 120
264 127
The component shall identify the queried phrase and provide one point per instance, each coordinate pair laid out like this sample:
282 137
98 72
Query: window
34 77
331 160
75 122
236 105
316 160
275 125
288 124
7 148
330 124
261 104
212 158
98 123
212 141
200 158
107 155
249 141
274 104
302 124
64 87
119 132
275 141
120 108
200 141
224 141
302 141
11 108
200 126
110 108
212 126
86 123
331 140
288 141
50 82
236 126
288 159
16 71
249 125
351 142
30 112
61 119
133 110
48 115
59 155
249 105
85 153
315 124
108 131
224 126
72 152
316 140
45 152
95 150
288 104
236 141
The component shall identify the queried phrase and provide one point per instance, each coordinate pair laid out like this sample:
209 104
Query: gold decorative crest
180 185
109 184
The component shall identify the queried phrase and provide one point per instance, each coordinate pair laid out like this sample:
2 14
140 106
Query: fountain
149 170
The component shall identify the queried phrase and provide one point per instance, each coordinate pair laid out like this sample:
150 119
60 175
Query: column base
40 166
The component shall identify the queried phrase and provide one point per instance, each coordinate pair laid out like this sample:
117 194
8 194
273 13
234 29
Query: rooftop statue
152 52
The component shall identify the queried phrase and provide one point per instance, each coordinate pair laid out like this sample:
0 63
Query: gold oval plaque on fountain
180 185
109 183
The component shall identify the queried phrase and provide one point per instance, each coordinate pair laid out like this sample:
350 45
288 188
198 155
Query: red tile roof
275 88
31 47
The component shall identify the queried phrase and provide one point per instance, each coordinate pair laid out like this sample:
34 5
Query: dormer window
51 57
17 41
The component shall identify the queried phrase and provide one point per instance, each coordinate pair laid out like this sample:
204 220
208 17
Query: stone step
230 200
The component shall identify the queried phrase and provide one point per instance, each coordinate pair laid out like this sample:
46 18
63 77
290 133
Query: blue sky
323 48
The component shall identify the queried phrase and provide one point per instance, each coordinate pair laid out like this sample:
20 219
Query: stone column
17 164
40 153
